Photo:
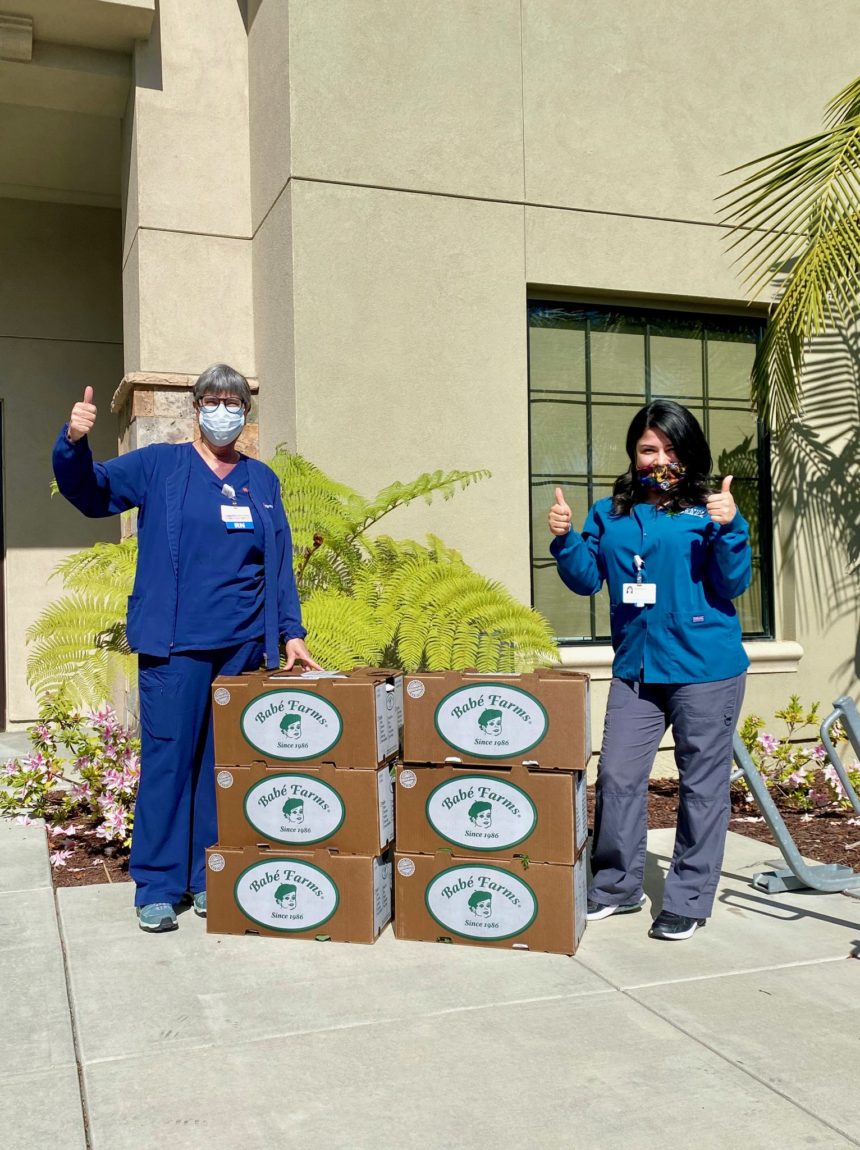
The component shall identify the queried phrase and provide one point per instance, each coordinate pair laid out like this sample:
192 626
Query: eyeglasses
210 405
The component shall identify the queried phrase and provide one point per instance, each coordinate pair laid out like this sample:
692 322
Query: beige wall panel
41 379
639 108
616 254
46 152
269 103
110 24
195 302
61 271
129 184
273 327
411 356
192 120
131 309
408 94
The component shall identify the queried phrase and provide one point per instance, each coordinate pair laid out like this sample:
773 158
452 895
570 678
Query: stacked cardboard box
491 810
305 803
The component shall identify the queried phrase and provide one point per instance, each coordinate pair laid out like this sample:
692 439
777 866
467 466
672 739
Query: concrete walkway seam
744 1070
82 1088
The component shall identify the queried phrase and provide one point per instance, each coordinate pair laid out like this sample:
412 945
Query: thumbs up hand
83 417
559 515
721 504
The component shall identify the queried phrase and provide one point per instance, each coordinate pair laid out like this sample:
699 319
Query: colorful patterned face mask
661 476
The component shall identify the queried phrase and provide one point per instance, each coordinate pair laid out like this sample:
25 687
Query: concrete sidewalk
746 1035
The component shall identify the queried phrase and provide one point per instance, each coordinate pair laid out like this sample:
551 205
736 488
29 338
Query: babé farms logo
481 813
286 894
294 809
482 902
491 721
292 725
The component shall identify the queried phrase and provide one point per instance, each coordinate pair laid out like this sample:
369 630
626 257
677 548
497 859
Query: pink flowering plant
82 772
794 763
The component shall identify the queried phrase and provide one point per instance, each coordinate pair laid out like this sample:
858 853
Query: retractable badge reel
234 517
640 593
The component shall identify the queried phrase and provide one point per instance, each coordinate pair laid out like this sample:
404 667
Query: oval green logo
491 720
294 809
291 725
286 894
479 901
481 813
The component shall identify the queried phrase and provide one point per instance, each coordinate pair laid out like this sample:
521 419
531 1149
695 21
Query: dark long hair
682 429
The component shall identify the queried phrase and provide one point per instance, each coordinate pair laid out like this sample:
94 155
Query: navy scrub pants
174 816
703 717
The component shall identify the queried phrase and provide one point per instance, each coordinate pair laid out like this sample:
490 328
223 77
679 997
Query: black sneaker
598 910
674 927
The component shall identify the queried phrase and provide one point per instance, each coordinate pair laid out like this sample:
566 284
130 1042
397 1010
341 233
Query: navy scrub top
221 582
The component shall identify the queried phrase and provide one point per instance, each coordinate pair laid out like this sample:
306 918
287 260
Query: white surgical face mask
221 426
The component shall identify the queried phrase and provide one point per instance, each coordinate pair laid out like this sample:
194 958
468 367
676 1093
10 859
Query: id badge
237 518
639 594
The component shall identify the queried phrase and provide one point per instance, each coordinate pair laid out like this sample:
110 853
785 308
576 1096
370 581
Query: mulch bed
91 861
829 836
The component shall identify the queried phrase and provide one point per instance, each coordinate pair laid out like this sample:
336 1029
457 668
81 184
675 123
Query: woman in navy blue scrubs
214 594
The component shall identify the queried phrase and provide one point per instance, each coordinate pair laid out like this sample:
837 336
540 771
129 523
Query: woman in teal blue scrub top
673 554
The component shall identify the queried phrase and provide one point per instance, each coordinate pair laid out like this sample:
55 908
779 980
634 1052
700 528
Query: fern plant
80 643
365 599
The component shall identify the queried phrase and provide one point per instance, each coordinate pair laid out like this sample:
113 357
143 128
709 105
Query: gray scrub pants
703 717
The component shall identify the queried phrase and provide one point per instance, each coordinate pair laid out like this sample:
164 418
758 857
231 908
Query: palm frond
795 225
449 616
430 483
345 633
845 105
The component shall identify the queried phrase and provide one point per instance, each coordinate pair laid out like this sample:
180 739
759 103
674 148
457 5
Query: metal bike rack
828 877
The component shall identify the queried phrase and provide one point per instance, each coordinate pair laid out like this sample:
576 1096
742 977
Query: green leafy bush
797 772
83 770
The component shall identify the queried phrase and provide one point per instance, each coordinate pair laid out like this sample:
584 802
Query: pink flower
115 821
797 778
69 831
113 780
24 821
768 743
80 791
819 753
58 858
42 731
834 780
10 768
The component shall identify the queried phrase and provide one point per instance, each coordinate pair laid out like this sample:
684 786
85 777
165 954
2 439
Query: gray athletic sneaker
598 910
157 917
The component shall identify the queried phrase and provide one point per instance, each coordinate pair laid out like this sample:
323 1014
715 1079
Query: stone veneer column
157 408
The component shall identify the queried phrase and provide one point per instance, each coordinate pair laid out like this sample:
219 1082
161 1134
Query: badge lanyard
640 593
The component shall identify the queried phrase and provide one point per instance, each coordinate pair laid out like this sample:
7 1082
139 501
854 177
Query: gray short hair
221 379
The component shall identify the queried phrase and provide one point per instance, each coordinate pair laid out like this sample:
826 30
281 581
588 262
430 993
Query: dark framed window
591 368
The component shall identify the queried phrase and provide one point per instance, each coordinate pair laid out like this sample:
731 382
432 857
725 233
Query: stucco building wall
60 330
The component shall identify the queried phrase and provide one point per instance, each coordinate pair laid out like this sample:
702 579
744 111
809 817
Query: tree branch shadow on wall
817 487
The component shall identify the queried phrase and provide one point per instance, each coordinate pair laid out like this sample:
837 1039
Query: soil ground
828 836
